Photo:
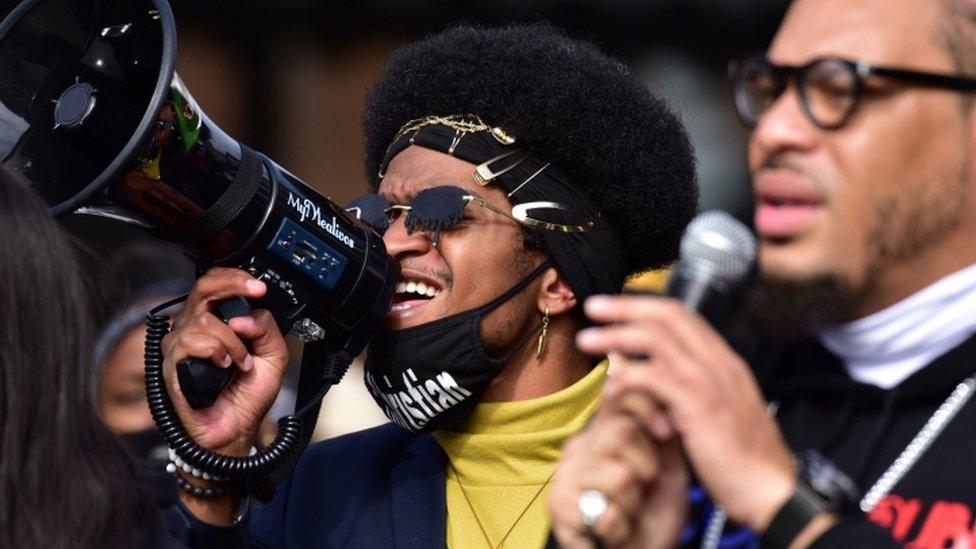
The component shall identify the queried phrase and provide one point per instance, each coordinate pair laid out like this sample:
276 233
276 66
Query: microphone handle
700 291
201 381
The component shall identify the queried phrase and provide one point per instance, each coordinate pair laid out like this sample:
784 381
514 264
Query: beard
794 308
904 226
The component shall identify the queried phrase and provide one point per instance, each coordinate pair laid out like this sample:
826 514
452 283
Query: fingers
630 308
623 495
673 461
262 331
664 316
615 457
619 398
616 526
205 336
218 284
637 412
620 438
687 361
631 339
648 412
709 394
615 479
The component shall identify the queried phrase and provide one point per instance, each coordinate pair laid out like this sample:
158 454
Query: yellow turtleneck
504 455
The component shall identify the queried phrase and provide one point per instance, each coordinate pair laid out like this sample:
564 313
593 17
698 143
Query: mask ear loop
514 290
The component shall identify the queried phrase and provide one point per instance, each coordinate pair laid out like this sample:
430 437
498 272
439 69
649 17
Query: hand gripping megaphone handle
201 381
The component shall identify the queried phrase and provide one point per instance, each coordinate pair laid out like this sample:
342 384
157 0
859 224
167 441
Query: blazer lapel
417 496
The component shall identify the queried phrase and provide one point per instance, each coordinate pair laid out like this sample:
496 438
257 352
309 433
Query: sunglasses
441 208
829 88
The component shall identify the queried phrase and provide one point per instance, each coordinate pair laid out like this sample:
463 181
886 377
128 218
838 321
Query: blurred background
287 77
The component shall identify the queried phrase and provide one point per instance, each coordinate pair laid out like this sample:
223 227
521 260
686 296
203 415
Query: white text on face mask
421 401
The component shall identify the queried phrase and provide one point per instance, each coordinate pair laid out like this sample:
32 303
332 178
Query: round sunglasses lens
437 208
371 210
756 87
829 88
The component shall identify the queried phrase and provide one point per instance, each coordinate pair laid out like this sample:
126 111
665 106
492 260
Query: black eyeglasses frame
861 70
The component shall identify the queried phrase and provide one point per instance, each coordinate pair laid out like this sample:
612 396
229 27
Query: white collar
887 347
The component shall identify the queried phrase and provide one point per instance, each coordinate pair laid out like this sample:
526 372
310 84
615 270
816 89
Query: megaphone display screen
74 91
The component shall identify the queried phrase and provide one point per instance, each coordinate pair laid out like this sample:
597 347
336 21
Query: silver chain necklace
896 471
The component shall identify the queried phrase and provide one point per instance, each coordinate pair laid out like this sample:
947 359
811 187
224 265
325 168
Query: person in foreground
517 172
65 479
865 185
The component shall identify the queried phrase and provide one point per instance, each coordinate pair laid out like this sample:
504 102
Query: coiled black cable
256 467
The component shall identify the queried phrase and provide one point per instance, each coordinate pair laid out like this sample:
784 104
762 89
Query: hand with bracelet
230 426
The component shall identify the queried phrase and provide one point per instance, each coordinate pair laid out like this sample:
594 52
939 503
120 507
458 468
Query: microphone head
719 244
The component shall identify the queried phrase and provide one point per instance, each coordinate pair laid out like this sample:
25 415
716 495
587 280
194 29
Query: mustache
789 161
444 275
782 161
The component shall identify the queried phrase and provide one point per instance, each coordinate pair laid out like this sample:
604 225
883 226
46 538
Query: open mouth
783 216
412 294
412 288
780 202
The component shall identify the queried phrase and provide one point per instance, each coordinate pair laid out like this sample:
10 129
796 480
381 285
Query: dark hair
65 480
620 145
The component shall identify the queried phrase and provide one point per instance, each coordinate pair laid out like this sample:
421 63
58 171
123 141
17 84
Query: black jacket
862 429
384 487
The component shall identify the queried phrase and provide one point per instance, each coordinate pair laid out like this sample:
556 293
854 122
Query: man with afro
515 172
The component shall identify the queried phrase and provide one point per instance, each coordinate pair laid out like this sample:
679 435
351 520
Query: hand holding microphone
696 387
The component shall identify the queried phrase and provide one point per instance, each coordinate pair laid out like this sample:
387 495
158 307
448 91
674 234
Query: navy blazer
382 487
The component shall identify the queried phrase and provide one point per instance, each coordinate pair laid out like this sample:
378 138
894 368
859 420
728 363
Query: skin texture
474 263
477 261
645 480
122 390
122 387
892 192
895 181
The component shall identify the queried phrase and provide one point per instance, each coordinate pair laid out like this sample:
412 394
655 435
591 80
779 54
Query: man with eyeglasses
852 423
516 171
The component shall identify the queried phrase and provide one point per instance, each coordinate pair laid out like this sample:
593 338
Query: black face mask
146 446
431 376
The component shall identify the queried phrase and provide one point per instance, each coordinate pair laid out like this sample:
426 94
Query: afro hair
586 113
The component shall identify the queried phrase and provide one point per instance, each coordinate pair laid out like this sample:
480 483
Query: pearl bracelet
175 464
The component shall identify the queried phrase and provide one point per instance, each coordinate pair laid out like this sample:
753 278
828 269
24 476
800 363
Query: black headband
593 262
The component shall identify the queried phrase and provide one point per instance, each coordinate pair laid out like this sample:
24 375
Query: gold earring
544 334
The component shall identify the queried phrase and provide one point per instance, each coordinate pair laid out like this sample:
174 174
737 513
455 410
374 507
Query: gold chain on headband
466 123
461 123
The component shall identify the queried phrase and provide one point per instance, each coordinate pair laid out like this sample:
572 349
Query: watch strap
792 517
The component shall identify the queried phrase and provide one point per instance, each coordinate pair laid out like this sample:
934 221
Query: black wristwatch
820 487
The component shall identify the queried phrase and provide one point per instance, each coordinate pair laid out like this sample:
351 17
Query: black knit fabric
573 106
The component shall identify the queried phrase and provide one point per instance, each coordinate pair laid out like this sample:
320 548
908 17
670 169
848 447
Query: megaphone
94 118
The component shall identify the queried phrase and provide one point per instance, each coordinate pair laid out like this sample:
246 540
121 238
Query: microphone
717 254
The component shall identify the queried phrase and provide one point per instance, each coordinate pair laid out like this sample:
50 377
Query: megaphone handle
200 380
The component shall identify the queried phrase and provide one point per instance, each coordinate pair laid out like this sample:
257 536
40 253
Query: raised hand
708 394
644 482
231 424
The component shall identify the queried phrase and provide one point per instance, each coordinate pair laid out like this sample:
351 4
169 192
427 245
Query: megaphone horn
94 117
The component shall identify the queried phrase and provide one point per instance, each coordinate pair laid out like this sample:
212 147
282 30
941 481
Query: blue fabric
383 487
